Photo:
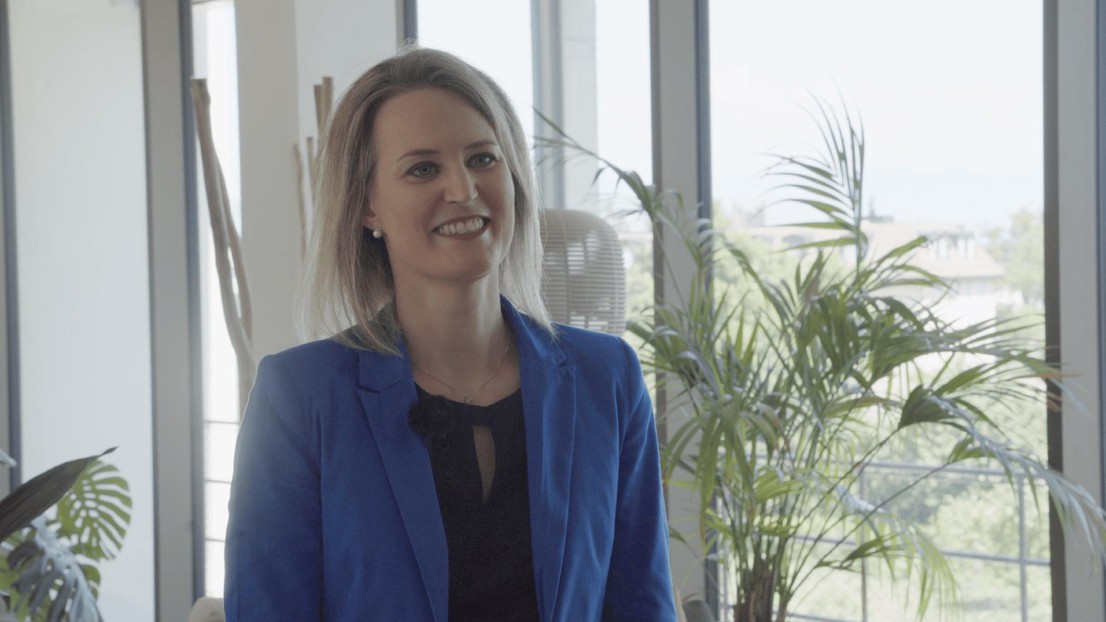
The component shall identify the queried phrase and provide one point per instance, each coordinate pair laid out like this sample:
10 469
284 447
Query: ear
368 219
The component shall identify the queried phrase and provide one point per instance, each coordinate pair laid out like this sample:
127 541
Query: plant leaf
34 497
95 513
50 573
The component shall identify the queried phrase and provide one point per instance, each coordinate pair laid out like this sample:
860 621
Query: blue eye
483 160
423 169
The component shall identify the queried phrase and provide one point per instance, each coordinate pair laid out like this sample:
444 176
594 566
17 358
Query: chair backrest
207 610
698 611
584 281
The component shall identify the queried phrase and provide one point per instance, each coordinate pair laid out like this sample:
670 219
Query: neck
454 334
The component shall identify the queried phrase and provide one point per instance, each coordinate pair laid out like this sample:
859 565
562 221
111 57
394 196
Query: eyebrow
426 152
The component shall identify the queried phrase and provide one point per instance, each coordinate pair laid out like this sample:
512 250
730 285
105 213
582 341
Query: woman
451 456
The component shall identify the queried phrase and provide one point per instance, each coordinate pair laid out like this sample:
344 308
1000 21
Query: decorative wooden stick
312 160
237 309
319 108
301 200
324 98
328 101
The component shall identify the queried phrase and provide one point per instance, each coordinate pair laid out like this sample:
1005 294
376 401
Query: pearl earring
377 233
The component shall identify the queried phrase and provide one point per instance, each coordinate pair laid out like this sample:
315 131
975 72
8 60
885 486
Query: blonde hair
348 291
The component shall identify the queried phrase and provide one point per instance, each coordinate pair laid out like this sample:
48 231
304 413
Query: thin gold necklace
468 396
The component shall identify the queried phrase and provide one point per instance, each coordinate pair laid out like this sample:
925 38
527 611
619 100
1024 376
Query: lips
462 227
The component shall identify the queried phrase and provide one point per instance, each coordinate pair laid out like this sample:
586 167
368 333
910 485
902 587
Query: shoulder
324 352
578 345
595 350
311 363
576 337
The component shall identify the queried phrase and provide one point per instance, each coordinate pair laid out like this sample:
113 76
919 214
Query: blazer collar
549 410
387 392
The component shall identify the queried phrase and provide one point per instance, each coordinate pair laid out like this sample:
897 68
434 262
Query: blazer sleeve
639 584
274 544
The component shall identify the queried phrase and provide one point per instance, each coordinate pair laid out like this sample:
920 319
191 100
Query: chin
463 272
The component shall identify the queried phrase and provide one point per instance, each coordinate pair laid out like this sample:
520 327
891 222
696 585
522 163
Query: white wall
268 124
80 191
340 39
285 46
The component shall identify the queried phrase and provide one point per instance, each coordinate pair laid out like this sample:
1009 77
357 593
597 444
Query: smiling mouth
462 227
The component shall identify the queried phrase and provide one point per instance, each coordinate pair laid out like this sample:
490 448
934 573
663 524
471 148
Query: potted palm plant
792 388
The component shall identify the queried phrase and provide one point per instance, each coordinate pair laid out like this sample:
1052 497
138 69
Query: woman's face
442 193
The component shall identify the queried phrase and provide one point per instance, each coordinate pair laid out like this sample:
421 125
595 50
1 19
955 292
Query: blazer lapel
549 406
387 392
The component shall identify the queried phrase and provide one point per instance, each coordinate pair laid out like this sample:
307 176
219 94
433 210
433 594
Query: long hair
348 290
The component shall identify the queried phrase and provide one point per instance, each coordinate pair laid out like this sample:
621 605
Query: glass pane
84 305
938 504
213 550
219 441
625 135
498 46
1039 593
836 595
214 48
953 152
215 60
217 498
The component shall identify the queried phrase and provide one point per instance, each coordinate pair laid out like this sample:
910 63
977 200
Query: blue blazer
334 515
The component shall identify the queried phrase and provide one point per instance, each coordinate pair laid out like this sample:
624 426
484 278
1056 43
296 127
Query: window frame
10 429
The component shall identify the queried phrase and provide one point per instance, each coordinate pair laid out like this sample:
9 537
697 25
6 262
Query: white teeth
465 226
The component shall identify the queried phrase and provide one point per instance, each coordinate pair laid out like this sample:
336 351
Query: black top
491 566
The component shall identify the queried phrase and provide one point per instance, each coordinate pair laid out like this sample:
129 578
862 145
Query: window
954 153
214 56
625 134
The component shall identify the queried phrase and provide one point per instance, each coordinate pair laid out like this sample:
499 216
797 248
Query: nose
460 187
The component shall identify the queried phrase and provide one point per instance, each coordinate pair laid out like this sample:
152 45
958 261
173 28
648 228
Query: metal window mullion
1054 431
1100 215
195 312
863 491
1023 551
174 311
1073 303
702 108
10 428
546 51
407 11
679 53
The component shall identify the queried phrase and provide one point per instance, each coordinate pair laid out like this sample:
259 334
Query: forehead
428 118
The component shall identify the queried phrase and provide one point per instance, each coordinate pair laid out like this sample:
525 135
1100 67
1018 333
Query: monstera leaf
95 514
50 574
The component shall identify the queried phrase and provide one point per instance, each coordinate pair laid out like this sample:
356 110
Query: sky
950 92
